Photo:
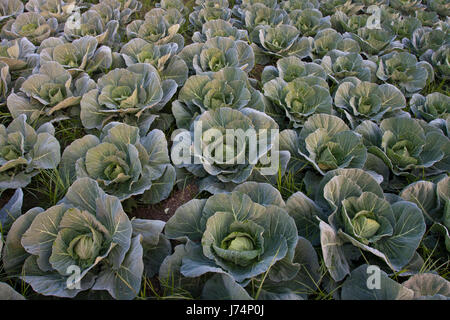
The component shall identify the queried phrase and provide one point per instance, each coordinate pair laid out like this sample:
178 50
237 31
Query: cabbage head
31 25
300 98
10 8
25 151
80 55
216 54
93 24
86 231
440 60
433 106
441 7
281 41
163 57
155 29
218 28
54 88
340 65
241 233
209 10
364 100
126 94
406 145
118 10
326 143
403 70
58 9
375 41
309 21
291 5
19 55
122 163
343 23
329 39
219 159
425 41
291 68
362 217
229 87
258 14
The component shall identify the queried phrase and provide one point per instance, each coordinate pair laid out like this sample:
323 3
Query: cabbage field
225 149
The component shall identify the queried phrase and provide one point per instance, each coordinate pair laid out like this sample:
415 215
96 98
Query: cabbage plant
229 87
218 28
433 106
172 4
129 94
58 9
421 286
300 98
403 70
364 100
258 15
340 65
439 6
163 57
121 11
343 23
309 21
348 7
236 233
172 16
50 92
209 10
329 39
155 29
405 144
440 60
123 163
326 143
291 5
87 231
31 25
5 82
81 55
218 53
405 26
375 41
19 55
92 24
434 201
10 8
220 159
281 41
25 151
362 217
291 68
425 41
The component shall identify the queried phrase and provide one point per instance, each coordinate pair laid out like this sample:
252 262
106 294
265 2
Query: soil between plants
164 210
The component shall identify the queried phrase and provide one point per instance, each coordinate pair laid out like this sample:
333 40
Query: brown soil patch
5 196
164 210
257 72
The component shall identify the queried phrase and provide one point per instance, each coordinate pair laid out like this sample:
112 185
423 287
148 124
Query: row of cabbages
370 149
